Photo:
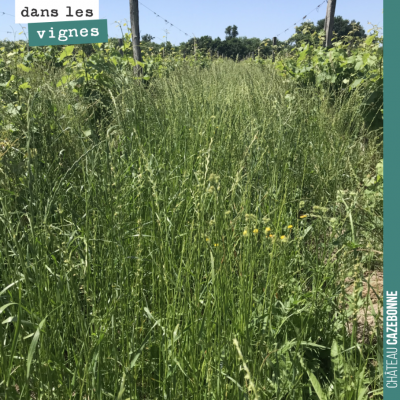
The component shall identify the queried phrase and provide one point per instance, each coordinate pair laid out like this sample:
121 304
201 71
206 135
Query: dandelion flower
290 226
216 244
245 233
271 236
267 229
303 216
255 231
283 237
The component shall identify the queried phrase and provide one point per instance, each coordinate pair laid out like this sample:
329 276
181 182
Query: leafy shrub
352 63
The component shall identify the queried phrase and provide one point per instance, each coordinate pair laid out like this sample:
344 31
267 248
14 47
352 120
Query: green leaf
370 39
303 54
314 381
356 83
361 390
122 387
12 78
359 65
5 306
63 81
67 52
316 385
15 319
379 168
32 347
25 86
10 285
365 58
24 67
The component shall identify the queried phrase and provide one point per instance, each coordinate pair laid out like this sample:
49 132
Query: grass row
192 242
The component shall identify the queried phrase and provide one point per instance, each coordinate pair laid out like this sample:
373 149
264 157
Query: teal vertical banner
68 32
391 202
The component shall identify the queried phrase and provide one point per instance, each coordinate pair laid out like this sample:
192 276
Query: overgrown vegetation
192 234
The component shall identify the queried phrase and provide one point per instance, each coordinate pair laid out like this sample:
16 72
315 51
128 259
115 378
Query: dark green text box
68 32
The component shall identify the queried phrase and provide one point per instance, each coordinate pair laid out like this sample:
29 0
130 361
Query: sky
254 18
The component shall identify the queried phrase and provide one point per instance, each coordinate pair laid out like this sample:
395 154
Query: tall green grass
135 262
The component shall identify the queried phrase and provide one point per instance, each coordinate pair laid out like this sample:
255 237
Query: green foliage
350 65
187 234
231 32
342 28
147 38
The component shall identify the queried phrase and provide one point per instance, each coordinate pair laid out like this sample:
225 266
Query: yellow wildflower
216 244
303 216
207 239
290 226
245 233
283 237
267 229
255 231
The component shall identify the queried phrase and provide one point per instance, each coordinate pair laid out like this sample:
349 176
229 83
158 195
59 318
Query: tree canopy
231 32
147 38
341 28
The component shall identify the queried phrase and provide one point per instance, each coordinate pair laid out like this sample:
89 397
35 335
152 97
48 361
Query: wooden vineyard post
329 19
273 50
134 14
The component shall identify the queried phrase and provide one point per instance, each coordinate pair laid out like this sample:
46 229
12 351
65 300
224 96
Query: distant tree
231 32
303 33
147 38
235 32
341 27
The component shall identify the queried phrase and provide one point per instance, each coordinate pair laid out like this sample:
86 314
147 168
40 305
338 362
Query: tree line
235 46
